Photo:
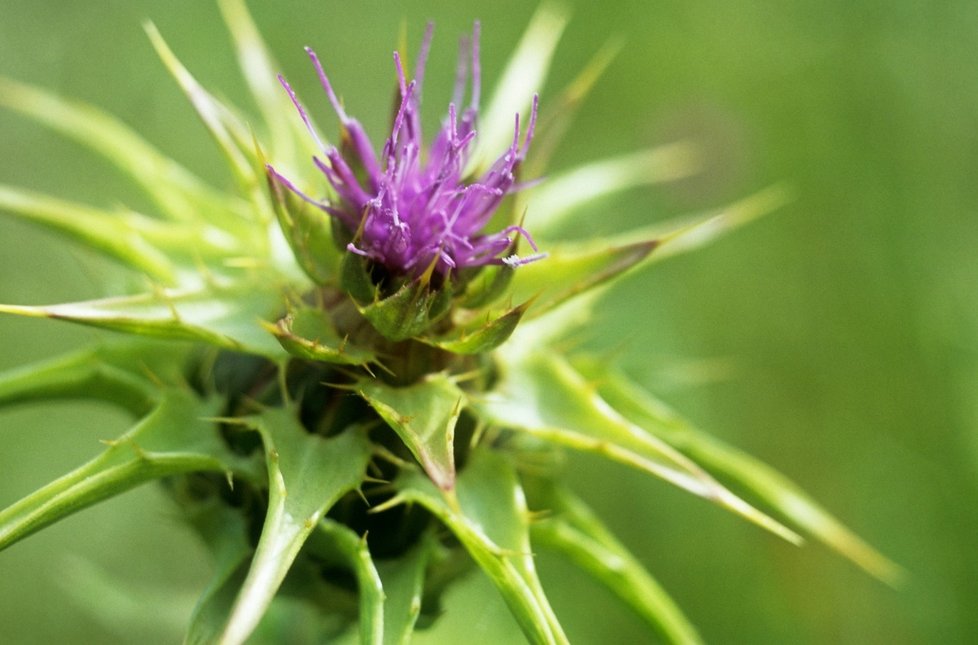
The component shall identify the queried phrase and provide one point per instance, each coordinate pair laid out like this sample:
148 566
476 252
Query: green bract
315 413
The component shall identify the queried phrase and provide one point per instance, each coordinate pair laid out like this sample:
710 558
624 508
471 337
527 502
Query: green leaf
175 438
403 581
483 338
577 533
551 202
546 398
307 475
225 533
352 548
178 192
224 317
424 416
85 374
767 484
489 284
489 517
308 333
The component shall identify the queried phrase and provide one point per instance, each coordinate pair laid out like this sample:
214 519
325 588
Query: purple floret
410 208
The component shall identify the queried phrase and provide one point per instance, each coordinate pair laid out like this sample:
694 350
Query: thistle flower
332 383
410 210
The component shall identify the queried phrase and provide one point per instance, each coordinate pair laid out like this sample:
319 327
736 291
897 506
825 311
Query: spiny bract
345 370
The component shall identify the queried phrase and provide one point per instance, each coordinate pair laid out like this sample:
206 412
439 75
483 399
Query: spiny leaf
424 417
306 475
577 533
175 438
489 517
766 483
484 338
223 317
308 333
83 374
178 192
561 195
545 397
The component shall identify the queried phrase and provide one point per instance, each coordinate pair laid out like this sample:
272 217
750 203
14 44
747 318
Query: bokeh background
837 339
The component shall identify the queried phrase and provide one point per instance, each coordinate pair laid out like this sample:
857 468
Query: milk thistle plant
354 374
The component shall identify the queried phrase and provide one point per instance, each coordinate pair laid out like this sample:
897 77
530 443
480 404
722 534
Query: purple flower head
411 208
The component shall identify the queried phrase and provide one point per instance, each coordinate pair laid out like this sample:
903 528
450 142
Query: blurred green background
836 340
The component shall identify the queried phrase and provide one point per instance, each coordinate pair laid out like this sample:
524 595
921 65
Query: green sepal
489 284
570 528
228 318
489 517
308 333
409 311
483 338
761 480
307 474
545 397
570 271
355 280
309 232
423 415
175 438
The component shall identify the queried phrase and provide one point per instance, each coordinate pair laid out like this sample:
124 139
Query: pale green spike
116 235
572 529
561 195
306 476
560 111
524 75
179 193
761 480
228 318
171 440
489 517
542 395
286 136
82 375
227 133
